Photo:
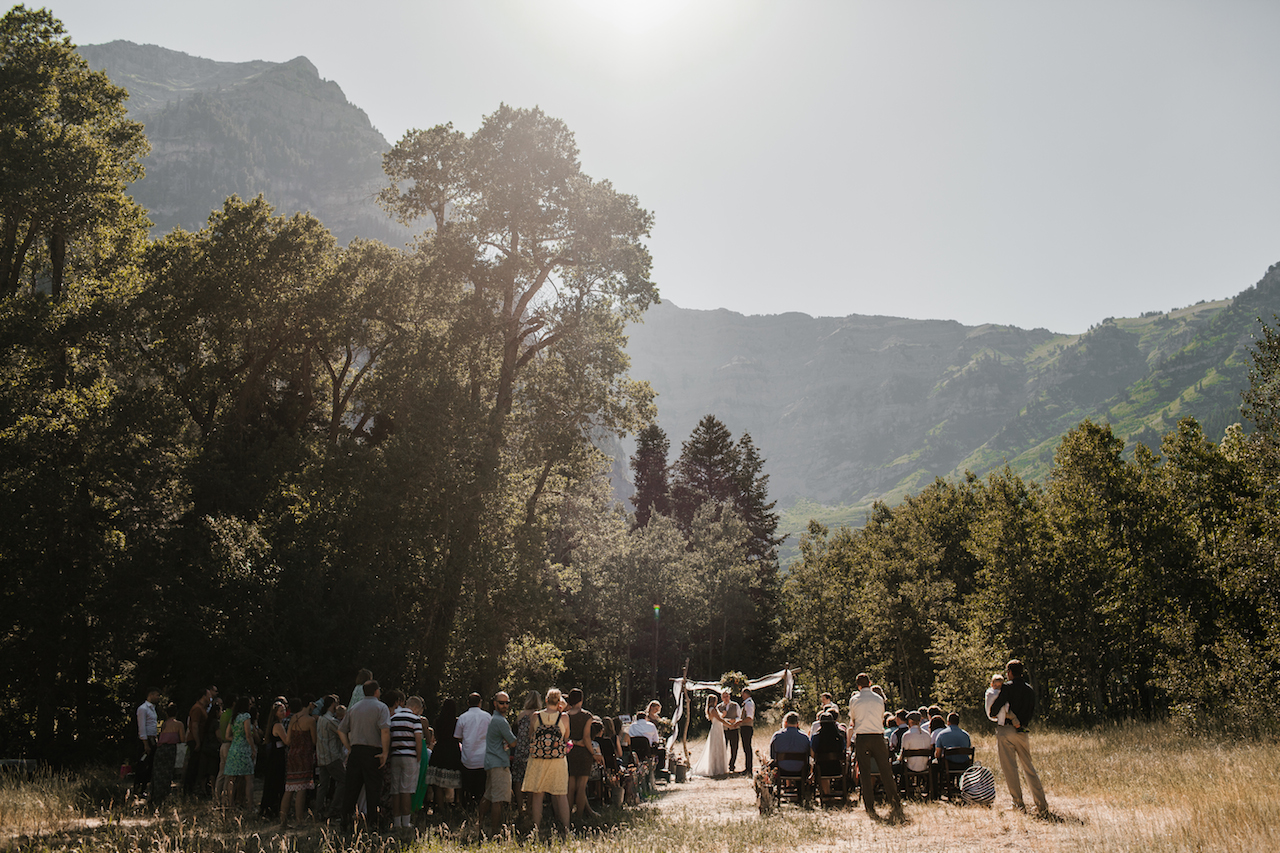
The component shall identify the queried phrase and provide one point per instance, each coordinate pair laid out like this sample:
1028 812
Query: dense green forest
249 456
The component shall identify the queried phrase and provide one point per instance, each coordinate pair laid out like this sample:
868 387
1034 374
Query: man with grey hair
366 732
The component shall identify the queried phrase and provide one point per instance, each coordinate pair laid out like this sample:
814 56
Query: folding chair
837 782
949 774
791 784
911 777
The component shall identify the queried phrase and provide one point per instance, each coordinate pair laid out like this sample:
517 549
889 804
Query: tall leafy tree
86 457
67 151
551 264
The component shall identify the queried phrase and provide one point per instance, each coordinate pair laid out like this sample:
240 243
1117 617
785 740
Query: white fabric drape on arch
680 685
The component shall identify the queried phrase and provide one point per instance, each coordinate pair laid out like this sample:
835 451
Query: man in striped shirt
406 754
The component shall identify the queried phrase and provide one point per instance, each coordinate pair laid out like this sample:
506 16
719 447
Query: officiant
732 713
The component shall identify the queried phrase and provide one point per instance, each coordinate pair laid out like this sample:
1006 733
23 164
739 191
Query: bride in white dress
714 760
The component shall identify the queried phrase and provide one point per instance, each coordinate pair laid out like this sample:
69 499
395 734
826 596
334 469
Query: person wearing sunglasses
497 762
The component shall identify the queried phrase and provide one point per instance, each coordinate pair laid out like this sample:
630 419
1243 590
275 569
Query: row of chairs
650 767
937 780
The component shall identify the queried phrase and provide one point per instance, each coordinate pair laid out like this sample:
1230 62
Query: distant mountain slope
851 410
223 128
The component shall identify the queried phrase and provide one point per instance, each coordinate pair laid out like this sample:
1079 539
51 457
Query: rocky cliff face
243 128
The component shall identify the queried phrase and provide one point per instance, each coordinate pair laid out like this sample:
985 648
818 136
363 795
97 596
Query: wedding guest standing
147 732
239 766
274 762
548 772
329 759
1013 742
300 763
172 733
580 758
444 774
866 714
520 755
366 731
193 779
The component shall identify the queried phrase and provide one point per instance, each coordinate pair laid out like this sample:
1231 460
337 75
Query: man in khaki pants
1013 743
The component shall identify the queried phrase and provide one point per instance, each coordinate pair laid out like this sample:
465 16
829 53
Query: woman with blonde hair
548 770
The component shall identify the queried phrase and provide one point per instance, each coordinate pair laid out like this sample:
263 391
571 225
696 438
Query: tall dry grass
51 800
1126 789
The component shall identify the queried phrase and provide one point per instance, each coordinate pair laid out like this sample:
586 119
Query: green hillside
1141 375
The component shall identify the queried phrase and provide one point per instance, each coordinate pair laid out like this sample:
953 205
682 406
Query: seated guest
926 718
950 737
608 743
899 729
789 739
916 738
622 727
645 723
828 741
936 725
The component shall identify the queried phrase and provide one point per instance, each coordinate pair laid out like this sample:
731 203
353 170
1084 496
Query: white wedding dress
714 760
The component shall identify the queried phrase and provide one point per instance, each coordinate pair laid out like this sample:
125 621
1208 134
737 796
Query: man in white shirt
147 731
866 716
646 725
471 730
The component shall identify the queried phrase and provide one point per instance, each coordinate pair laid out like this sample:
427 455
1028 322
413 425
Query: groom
732 713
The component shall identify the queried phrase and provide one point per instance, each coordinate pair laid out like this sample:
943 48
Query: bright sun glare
633 17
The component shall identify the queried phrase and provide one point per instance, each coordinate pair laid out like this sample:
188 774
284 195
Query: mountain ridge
242 128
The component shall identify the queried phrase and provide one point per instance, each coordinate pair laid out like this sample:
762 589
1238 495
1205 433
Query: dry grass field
1135 788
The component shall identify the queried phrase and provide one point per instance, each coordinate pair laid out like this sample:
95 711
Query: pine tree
653 493
753 504
706 471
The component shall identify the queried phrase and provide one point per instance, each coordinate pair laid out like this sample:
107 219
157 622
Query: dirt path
717 800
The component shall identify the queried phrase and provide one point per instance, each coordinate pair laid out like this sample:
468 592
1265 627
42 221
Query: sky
1016 162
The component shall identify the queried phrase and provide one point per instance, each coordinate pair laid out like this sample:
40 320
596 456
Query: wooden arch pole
688 711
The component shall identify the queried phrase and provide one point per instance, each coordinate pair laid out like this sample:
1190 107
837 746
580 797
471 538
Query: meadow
1125 788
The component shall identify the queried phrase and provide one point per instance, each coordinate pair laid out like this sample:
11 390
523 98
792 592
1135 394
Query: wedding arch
681 688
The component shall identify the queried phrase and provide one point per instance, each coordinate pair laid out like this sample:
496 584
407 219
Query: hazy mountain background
223 128
846 411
